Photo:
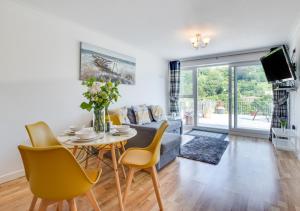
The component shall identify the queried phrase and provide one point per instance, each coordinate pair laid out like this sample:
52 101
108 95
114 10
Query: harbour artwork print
106 65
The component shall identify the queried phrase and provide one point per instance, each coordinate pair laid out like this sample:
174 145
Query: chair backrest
41 135
53 173
154 147
115 119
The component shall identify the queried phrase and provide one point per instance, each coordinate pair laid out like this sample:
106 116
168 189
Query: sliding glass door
212 97
252 98
232 97
186 101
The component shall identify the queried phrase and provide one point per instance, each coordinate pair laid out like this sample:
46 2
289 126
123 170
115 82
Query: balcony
252 113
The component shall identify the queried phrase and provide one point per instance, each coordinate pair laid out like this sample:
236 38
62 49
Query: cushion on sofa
130 115
141 114
157 113
150 114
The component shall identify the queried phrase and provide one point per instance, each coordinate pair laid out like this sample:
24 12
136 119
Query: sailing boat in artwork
106 65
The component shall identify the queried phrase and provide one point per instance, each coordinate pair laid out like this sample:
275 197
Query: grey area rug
205 149
201 133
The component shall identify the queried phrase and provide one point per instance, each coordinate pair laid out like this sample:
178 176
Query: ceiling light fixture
199 41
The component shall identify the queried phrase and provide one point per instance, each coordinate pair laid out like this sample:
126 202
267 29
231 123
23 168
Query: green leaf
86 106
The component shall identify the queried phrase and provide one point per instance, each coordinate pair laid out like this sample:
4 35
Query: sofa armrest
143 138
175 126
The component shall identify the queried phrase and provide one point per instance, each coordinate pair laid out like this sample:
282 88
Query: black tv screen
277 65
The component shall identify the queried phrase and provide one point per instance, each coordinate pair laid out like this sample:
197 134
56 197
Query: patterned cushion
122 113
131 116
157 113
141 114
150 114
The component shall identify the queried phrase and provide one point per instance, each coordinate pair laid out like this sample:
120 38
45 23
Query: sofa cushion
157 113
169 142
131 116
141 114
150 114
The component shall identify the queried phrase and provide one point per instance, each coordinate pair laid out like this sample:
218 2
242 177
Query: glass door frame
194 96
234 129
194 91
232 101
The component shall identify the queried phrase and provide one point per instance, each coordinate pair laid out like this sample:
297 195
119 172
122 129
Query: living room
192 90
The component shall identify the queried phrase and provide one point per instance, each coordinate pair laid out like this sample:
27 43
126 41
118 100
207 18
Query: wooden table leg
115 166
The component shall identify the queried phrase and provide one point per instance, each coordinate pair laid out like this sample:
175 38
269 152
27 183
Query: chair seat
137 157
93 174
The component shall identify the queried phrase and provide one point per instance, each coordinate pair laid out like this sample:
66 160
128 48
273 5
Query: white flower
98 84
96 88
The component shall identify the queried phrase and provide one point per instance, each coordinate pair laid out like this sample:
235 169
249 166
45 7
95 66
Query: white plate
69 132
92 136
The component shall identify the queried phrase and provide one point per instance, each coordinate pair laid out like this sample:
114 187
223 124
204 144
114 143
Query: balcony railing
252 107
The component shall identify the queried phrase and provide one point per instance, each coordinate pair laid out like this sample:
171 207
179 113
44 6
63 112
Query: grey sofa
171 140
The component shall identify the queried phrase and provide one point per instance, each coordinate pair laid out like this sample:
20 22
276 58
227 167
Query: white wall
39 66
294 42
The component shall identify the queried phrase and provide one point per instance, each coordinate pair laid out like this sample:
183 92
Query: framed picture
106 64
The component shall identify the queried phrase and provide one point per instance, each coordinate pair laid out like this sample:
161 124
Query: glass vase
99 121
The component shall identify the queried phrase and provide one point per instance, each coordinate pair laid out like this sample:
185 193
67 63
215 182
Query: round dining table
111 139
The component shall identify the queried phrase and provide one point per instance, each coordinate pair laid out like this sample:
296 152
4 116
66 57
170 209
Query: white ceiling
166 26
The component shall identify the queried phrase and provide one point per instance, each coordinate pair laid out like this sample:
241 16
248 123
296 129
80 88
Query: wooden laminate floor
250 176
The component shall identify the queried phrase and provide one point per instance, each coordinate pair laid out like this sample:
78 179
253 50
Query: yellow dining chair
115 119
54 175
41 135
144 158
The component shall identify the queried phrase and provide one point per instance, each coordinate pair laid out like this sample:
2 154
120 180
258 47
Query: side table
285 139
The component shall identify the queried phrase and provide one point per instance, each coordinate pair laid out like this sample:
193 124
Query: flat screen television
277 65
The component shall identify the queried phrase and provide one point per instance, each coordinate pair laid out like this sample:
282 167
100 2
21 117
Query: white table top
107 139
284 133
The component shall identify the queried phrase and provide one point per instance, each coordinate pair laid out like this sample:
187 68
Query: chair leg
72 205
33 202
91 197
75 150
86 160
122 166
44 204
128 184
60 206
123 147
156 187
100 158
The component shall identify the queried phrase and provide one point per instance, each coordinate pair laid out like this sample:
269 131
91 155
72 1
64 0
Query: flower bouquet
99 96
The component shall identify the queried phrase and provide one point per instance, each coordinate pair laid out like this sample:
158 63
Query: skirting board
11 176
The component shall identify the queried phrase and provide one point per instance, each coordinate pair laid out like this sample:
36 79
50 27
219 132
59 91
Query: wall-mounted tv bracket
293 59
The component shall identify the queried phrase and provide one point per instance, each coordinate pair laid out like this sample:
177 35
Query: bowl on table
75 128
86 133
122 128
